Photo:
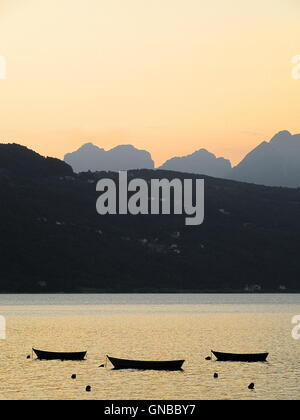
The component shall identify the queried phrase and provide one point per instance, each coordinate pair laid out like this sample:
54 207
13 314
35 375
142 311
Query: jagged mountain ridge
273 163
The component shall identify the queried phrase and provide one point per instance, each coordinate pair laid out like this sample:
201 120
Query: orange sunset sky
169 76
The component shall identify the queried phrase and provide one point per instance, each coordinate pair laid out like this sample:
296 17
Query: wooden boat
146 365
235 357
49 355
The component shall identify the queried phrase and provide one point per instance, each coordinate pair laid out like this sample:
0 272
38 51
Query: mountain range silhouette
273 163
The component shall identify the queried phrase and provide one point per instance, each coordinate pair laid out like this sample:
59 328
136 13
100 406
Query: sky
168 76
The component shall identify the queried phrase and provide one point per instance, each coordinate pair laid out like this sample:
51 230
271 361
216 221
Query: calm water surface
155 327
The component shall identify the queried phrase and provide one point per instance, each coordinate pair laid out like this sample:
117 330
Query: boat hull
146 365
47 355
235 357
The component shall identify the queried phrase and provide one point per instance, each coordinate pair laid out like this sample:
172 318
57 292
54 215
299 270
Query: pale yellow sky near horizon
169 76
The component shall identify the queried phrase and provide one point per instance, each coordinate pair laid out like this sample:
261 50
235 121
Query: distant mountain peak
123 157
200 162
281 136
87 147
201 152
124 147
273 163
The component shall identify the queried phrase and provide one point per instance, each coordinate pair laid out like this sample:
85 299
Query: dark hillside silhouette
52 239
22 161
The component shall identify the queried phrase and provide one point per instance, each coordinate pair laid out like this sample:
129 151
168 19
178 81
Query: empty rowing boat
146 365
49 355
243 357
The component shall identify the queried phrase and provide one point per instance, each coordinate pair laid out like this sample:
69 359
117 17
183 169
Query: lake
148 326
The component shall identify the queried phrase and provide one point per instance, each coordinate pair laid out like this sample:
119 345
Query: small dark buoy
216 375
208 358
251 386
74 376
28 357
102 366
88 388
